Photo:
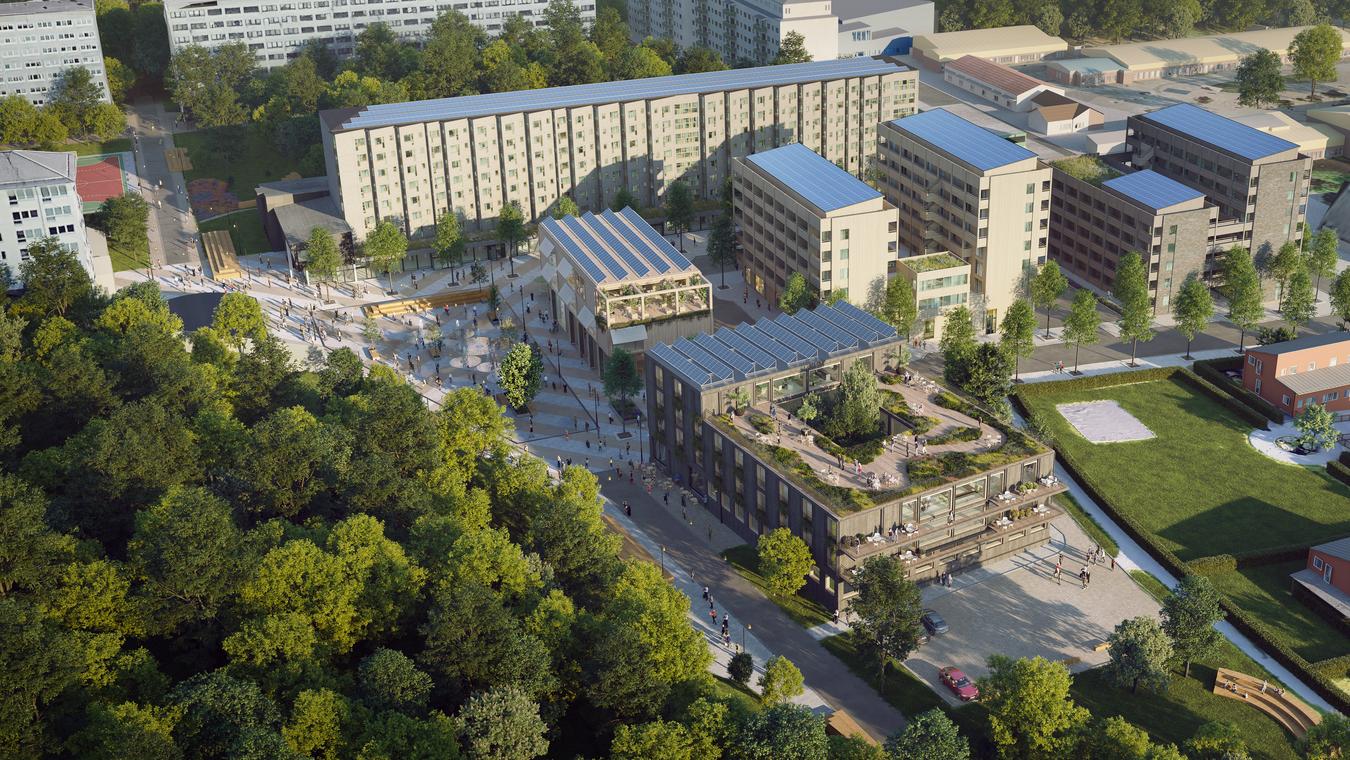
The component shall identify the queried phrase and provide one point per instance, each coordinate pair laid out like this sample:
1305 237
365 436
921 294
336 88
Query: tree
784 561
1340 297
792 49
1329 739
388 680
1282 266
208 83
809 409
1031 715
449 62
1188 617
1259 79
40 658
293 458
21 123
1114 738
930 735
380 53
239 318
1048 17
219 712
1314 54
53 279
1018 333
1298 306
1136 308
1242 288
1316 427
503 723
511 230
741 667
623 199
150 51
1217 741
664 739
449 243
1080 327
565 207
1046 288
123 219
639 63
859 409
520 374
621 381
74 94
887 610
781 681
1139 654
899 309
385 246
722 245
1192 309
782 731
696 60
796 294
1322 256
322 257
990 378
680 209
957 345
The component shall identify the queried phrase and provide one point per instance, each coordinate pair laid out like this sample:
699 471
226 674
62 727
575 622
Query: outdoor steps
1288 710
423 303
220 255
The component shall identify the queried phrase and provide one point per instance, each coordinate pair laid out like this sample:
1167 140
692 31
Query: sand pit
1104 422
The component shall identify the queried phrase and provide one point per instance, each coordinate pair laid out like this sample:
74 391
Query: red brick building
1297 373
1327 575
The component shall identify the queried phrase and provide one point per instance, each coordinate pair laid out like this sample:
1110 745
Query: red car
960 684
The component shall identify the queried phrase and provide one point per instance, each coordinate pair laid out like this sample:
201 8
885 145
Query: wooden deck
424 303
1289 711
220 256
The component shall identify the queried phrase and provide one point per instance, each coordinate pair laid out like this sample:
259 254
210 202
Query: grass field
1199 486
254 160
807 613
1264 591
115 145
245 230
123 260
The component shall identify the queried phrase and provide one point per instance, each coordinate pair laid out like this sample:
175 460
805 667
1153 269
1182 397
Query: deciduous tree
722 245
1314 53
239 319
782 731
781 681
503 723
322 257
930 735
386 245
1259 79
1046 288
957 345
1139 654
784 561
680 209
886 612
1297 305
388 680
1192 309
664 739
796 294
1136 308
1188 617
899 309
859 409
1242 288
1031 716
53 279
1323 253
1018 333
520 374
1080 327
792 49
1316 427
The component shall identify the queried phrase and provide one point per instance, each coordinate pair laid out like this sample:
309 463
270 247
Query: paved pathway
172 227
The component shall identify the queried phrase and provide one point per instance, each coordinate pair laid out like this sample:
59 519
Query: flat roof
1219 131
997 42
1213 49
1307 341
1308 137
1336 116
468 106
967 142
773 345
33 7
816 179
1086 65
995 74
1152 189
613 247
852 9
25 167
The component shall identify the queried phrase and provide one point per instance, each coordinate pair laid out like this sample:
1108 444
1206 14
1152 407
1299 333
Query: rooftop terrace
932 262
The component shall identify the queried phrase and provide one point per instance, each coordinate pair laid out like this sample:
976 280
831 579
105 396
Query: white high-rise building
38 200
276 31
40 39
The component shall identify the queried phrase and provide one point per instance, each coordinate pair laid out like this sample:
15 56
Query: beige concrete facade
941 283
1156 59
739 31
1007 44
413 162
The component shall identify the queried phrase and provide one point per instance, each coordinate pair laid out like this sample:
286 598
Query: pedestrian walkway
1123 365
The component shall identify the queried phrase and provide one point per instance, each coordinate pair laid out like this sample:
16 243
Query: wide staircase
1279 704
423 303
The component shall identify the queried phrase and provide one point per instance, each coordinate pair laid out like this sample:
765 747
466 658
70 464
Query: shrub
866 451
741 667
1339 471
762 423
956 435
1213 369
1215 565
1243 411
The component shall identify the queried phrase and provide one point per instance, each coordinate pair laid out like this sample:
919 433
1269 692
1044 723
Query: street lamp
663 561
745 629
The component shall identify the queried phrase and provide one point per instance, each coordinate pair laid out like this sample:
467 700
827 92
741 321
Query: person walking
1082 577
713 614
705 593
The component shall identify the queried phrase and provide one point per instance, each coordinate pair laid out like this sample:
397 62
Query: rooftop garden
932 262
1089 169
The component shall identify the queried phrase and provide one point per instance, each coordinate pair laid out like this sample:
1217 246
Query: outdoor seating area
423 303
1269 698
220 256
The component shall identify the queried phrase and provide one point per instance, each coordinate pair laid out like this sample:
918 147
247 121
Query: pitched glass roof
614 247
1152 189
966 141
815 178
1219 131
390 114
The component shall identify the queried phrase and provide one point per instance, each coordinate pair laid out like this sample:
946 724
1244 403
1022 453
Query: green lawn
253 160
1152 585
807 613
1198 485
115 145
123 260
245 230
1264 591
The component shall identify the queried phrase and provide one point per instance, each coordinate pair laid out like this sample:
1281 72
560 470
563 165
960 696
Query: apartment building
881 27
964 190
1254 177
277 31
38 188
614 282
1298 373
797 212
472 155
718 408
41 39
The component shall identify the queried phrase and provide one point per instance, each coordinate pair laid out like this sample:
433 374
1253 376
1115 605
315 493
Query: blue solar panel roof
611 92
614 247
815 178
1219 131
968 142
1152 189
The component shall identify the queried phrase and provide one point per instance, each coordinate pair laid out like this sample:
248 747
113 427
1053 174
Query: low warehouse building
1156 59
1007 44
995 82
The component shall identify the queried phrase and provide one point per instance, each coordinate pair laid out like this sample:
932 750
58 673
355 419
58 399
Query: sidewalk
1123 365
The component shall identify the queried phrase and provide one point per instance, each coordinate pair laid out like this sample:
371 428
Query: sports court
100 177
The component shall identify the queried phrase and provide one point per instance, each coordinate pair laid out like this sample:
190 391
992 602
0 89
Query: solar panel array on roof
681 365
635 265
803 329
1218 131
614 247
864 333
760 338
734 341
1152 189
556 229
841 338
741 364
964 140
815 178
611 92
860 316
641 227
704 359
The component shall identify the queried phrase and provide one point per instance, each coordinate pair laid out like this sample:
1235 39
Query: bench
423 303
1287 710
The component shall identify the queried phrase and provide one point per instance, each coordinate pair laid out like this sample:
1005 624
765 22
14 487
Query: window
1317 562
1284 399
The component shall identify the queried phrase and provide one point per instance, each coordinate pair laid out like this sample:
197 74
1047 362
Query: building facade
41 39
881 27
1296 374
39 187
797 212
995 82
1194 56
739 30
1325 581
413 162
941 283
276 31
614 282
1005 44
964 190
718 408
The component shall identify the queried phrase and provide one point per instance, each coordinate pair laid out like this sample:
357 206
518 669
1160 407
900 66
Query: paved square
1014 607
1104 421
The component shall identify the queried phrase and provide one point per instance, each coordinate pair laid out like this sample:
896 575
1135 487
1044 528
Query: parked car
960 684
933 622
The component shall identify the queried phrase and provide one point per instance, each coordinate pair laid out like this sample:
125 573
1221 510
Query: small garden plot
1104 421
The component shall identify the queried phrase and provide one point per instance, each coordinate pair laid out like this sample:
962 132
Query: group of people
712 614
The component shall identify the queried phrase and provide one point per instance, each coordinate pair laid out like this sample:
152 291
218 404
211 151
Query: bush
1246 413
762 423
741 667
1213 369
866 451
1092 382
1339 471
1218 564
1272 555
956 435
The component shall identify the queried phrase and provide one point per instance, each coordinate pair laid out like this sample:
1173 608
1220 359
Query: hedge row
1209 371
1242 410
1219 564
1345 458
1243 621
1313 602
1339 471
1334 667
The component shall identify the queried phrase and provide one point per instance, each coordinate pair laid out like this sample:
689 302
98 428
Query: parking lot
1014 607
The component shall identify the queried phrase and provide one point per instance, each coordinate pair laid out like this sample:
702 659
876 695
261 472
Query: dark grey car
933 622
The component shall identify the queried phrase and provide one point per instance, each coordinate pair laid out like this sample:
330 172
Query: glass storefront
788 387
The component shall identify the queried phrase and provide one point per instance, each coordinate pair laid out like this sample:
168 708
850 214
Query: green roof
1089 169
932 262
